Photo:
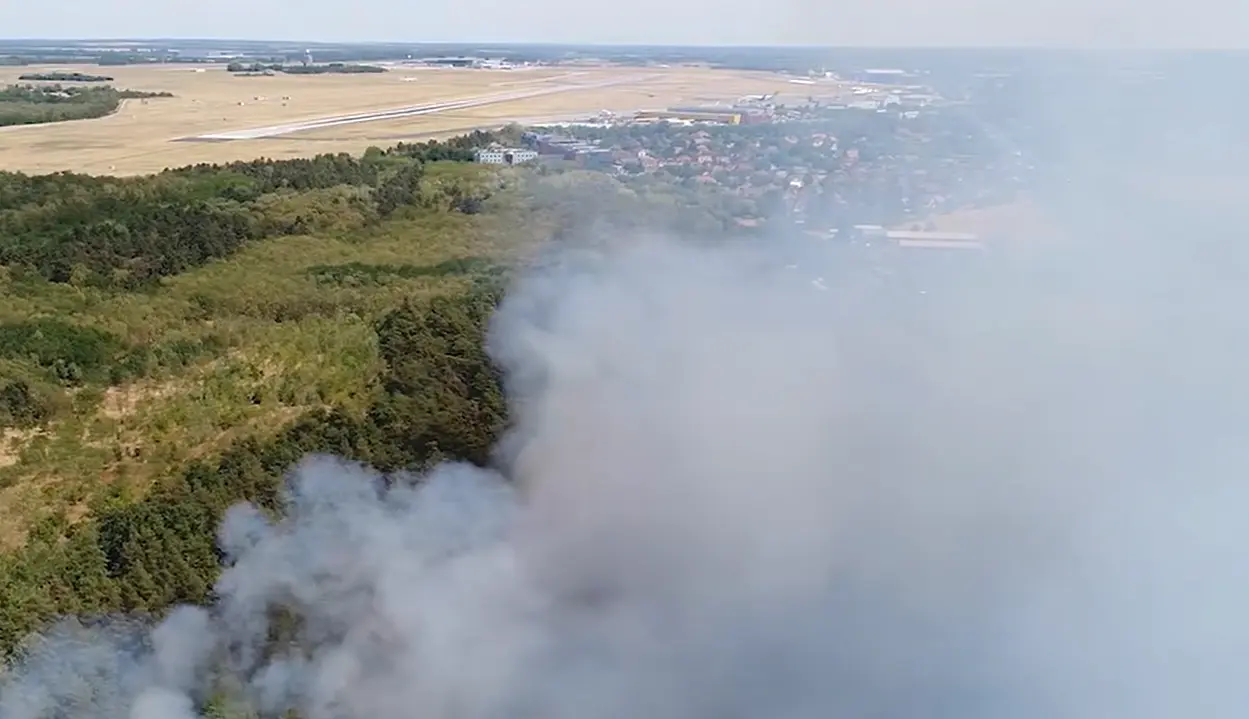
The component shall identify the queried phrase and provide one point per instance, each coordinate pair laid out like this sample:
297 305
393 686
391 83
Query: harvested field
149 135
1022 219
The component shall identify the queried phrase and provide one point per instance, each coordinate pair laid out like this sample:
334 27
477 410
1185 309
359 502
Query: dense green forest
171 344
32 105
127 232
436 396
332 68
63 77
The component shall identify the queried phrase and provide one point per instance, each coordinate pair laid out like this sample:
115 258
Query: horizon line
609 45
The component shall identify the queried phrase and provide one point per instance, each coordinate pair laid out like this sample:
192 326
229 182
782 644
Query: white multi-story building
505 155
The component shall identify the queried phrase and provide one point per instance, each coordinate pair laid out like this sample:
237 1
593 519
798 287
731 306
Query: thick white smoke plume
730 495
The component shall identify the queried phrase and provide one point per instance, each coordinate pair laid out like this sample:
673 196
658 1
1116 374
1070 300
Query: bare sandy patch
12 442
1023 219
124 401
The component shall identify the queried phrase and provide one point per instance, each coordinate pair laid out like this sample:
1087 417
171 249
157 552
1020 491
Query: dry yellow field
1022 220
143 136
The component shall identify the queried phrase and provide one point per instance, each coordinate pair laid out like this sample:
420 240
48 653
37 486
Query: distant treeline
33 105
63 77
127 232
333 67
259 68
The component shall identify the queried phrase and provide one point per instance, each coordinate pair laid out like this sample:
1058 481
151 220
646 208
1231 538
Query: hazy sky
1184 23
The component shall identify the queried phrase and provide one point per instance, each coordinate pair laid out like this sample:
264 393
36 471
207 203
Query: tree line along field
142 137
170 344
40 104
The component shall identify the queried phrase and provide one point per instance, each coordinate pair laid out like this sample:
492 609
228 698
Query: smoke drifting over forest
724 501
730 495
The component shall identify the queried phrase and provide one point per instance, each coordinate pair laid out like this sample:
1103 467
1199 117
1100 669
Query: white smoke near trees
727 495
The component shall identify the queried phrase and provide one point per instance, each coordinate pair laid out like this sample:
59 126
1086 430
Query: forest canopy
154 338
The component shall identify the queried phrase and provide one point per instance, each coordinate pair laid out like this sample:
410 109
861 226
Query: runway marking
256 133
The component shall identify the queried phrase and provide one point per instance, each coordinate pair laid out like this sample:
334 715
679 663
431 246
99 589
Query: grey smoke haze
735 496
993 23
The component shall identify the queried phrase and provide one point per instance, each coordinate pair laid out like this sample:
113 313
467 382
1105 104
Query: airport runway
256 133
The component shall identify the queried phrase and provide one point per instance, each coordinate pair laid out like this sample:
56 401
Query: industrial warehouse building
933 240
505 155
588 154
883 76
719 117
718 114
